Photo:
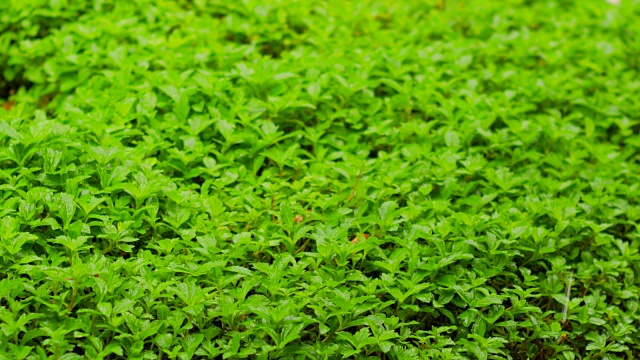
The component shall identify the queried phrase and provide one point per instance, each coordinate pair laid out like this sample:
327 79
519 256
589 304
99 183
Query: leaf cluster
319 179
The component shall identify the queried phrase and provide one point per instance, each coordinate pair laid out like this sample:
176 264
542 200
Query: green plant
319 179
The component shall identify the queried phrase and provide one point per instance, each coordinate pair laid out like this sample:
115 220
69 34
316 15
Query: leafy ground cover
319 179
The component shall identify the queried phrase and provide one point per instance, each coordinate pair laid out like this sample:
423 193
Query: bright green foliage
395 179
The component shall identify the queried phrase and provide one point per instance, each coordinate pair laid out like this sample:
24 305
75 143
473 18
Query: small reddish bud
298 219
8 105
355 239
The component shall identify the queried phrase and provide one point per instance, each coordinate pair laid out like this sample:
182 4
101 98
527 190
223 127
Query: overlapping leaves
285 179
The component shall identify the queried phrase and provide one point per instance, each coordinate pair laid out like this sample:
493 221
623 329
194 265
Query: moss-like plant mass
319 179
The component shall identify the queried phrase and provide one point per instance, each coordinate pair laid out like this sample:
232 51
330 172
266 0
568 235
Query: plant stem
355 186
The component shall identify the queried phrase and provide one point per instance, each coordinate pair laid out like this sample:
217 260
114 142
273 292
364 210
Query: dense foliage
319 179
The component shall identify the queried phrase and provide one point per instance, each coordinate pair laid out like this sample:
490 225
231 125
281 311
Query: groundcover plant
389 179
